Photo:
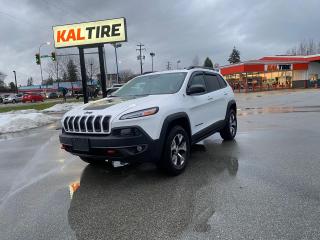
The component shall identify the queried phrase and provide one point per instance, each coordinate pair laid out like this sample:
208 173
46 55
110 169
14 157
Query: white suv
154 117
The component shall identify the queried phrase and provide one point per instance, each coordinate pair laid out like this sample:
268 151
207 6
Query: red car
32 97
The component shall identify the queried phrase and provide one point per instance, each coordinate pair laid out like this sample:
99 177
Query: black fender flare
230 104
166 123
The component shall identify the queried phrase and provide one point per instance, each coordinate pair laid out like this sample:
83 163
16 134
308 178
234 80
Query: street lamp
46 43
117 45
15 80
152 54
178 64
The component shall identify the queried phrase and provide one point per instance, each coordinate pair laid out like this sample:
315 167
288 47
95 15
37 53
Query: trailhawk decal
102 104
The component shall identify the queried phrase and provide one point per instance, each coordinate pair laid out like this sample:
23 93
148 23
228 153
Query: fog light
111 151
139 148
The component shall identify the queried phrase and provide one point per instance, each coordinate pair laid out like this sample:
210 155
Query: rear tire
176 152
230 130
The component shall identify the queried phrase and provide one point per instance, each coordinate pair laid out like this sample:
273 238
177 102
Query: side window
222 82
212 82
197 80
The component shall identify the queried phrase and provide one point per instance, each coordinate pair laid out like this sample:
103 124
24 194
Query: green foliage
12 86
234 56
208 63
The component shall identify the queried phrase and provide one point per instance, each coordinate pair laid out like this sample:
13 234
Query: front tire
229 132
176 151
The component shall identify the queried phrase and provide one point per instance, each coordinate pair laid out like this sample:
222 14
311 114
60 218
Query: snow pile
62 107
15 121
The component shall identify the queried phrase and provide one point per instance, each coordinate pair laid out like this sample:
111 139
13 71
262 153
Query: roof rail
148 72
209 68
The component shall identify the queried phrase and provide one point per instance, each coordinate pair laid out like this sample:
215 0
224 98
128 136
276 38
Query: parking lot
263 185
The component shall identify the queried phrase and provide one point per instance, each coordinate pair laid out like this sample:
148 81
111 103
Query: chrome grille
87 124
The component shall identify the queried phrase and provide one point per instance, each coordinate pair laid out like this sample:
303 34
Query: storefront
275 72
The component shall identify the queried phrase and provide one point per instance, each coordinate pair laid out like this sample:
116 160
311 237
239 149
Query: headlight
140 113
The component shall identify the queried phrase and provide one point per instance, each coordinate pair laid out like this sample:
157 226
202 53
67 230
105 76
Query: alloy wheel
233 124
178 151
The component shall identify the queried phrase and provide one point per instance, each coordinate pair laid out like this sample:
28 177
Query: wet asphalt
263 185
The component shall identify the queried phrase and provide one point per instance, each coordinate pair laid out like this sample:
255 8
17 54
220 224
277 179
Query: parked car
155 117
32 97
1 99
12 98
52 95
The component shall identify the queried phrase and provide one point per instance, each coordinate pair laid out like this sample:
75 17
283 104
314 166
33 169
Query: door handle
210 98
225 94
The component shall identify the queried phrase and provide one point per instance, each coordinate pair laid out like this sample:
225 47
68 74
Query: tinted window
165 83
212 82
197 80
222 82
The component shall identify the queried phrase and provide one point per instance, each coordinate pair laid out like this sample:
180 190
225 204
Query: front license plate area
80 144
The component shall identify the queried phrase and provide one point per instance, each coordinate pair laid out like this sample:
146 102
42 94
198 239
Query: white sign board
90 33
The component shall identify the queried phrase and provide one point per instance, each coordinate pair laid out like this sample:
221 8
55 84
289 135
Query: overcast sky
174 30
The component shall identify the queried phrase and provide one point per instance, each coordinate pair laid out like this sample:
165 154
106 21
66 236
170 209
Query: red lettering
79 37
60 36
71 35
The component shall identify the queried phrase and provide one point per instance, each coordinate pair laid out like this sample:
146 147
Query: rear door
216 97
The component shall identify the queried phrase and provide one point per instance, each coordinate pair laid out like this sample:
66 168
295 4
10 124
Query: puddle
290 109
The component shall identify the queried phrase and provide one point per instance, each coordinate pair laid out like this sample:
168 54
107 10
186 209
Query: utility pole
91 72
140 57
15 80
178 64
117 45
46 43
168 65
57 73
152 54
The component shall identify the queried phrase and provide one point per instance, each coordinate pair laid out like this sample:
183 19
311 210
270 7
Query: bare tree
305 47
126 75
92 68
2 77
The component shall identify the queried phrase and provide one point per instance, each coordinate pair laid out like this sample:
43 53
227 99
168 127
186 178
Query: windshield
165 83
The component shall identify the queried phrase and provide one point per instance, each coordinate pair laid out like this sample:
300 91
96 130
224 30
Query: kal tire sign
90 33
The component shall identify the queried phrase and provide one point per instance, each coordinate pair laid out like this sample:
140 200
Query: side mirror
195 89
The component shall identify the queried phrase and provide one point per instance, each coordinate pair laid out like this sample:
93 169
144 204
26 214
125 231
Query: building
71 86
274 72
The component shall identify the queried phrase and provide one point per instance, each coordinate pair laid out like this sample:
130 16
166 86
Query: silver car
12 98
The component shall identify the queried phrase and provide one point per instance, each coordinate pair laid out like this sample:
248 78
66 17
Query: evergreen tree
12 86
72 71
30 81
208 63
234 56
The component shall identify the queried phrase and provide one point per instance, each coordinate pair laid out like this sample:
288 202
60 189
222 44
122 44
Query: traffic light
53 56
38 61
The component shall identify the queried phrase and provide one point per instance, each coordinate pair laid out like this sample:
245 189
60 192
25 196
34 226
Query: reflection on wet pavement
141 203
261 110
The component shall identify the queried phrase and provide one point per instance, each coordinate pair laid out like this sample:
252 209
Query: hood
116 105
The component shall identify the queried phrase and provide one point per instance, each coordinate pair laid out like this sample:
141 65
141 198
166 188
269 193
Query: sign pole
102 71
83 75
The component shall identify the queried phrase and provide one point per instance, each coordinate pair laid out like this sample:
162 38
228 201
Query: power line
140 57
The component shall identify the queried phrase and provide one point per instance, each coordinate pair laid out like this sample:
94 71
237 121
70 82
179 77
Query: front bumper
114 147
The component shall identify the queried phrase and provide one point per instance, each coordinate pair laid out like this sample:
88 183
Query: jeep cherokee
154 117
